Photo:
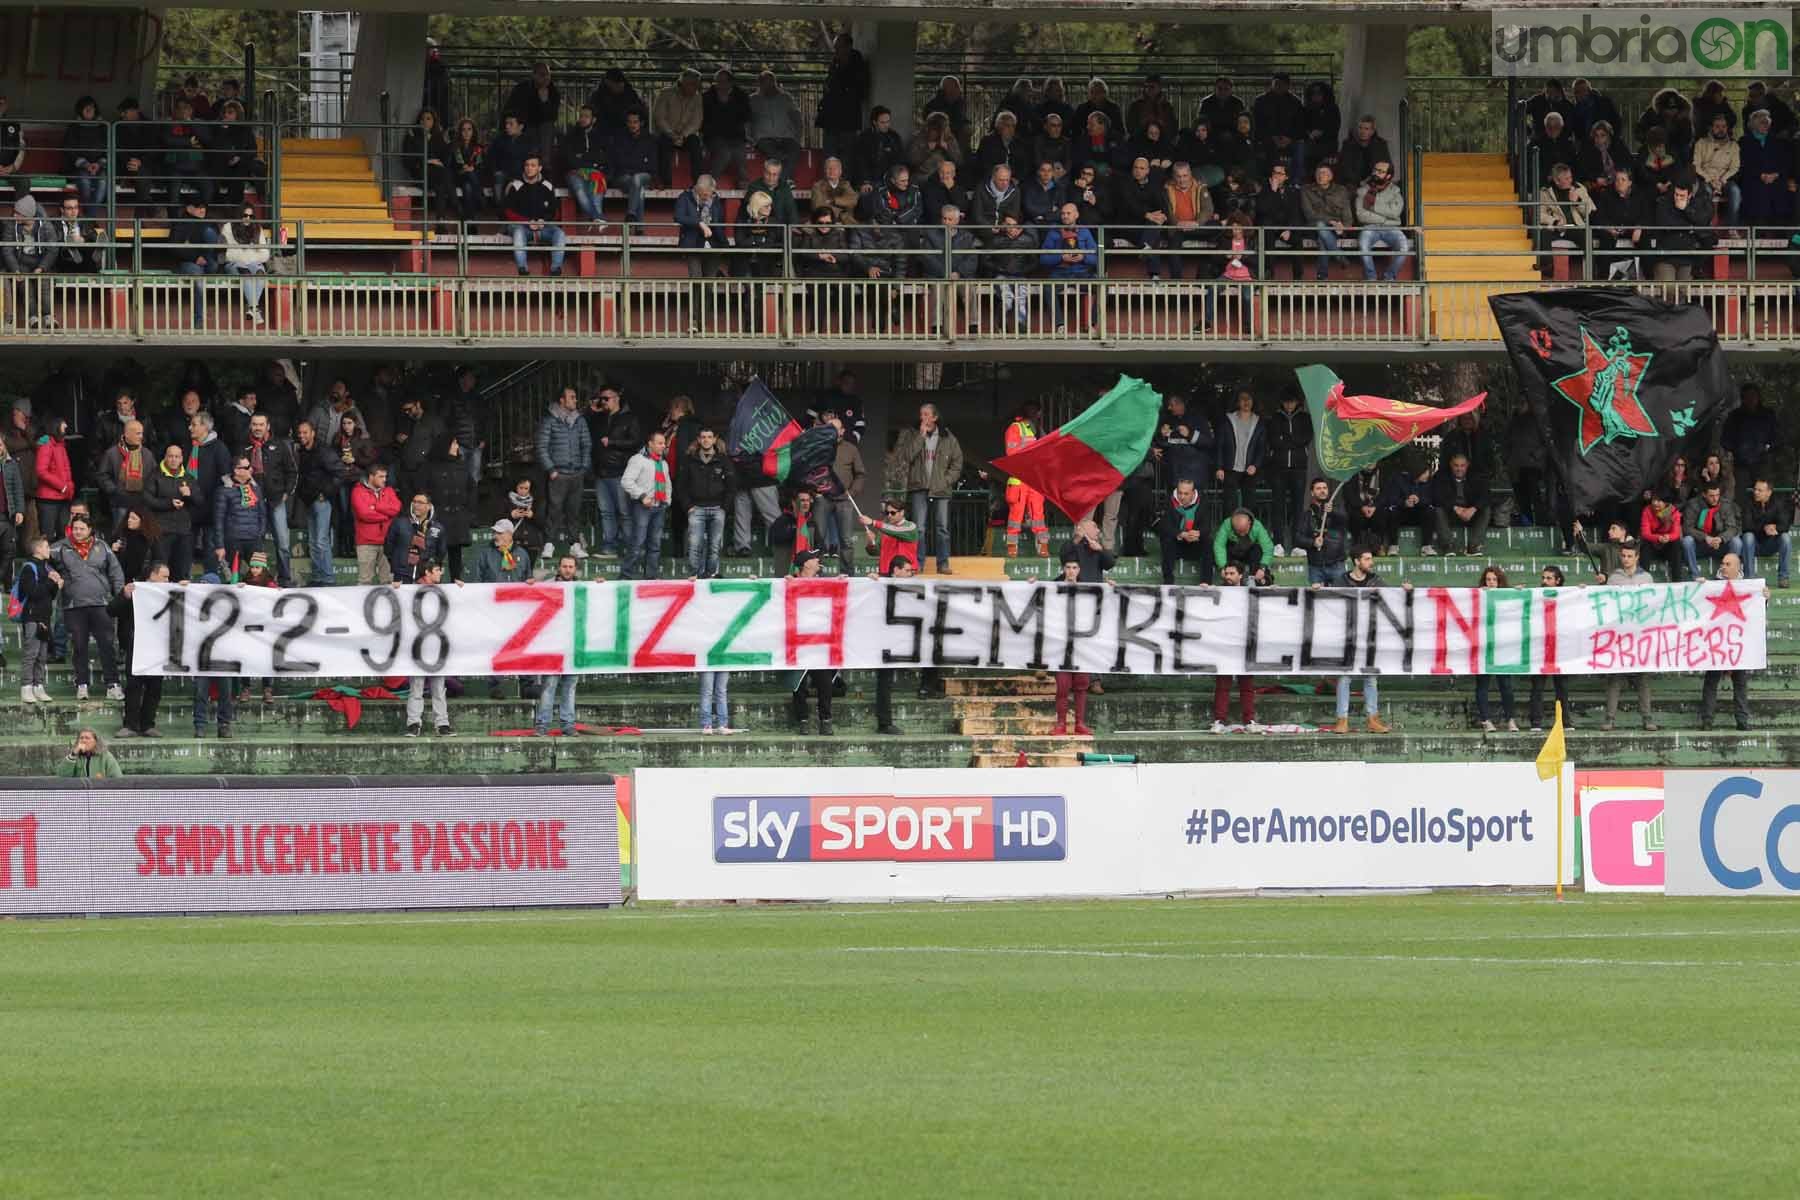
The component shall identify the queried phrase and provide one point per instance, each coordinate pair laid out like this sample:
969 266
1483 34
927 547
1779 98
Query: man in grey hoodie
565 450
28 249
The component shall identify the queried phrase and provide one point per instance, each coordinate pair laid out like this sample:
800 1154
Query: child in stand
37 586
899 537
258 575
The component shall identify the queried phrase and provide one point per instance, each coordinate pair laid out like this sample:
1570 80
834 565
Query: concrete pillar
390 57
1375 82
890 47
877 391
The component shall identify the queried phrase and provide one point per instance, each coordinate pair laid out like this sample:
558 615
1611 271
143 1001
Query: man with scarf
124 467
793 533
521 509
1183 538
240 515
1380 211
209 467
502 561
414 540
1709 529
646 484
1024 502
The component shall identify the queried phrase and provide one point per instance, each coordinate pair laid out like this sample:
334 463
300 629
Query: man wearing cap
501 561
556 693
807 565
29 249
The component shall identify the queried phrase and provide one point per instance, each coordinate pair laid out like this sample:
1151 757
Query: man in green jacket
931 460
1244 541
89 759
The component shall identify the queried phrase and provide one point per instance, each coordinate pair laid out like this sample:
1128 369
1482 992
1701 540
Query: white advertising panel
1732 833
877 833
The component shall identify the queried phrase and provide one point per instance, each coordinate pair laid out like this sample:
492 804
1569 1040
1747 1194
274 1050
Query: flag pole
1559 814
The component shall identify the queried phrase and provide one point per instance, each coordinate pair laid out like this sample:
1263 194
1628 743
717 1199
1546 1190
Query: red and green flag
1353 433
1085 461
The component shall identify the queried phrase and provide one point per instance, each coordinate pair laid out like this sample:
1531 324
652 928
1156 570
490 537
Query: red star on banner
1729 601
1578 389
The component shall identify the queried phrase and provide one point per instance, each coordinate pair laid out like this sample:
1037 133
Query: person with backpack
33 606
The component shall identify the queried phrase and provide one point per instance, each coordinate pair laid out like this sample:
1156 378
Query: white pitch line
1298 956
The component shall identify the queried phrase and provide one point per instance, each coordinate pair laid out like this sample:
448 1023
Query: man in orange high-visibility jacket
1022 501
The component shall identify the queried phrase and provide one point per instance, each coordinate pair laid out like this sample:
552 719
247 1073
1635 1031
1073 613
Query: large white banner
1731 833
765 624
284 849
879 833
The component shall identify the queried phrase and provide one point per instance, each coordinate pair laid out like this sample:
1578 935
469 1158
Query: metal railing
939 316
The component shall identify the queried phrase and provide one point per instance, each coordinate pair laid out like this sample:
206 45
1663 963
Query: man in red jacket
374 505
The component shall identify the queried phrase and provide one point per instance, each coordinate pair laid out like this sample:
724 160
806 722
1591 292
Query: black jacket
281 470
624 438
1290 436
398 547
530 201
1336 534
1094 563
160 493
874 153
318 472
706 483
726 119
1449 492
584 149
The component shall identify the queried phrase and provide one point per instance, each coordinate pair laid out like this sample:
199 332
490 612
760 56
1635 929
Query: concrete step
1052 758
1005 685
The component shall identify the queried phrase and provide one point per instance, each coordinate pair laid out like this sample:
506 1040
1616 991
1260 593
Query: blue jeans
556 695
1734 201
715 704
93 190
550 235
588 202
705 538
203 704
208 264
645 544
610 498
1371 695
1753 544
278 529
1692 548
1482 711
634 185
318 540
1382 238
253 275
1330 575
937 532
1328 245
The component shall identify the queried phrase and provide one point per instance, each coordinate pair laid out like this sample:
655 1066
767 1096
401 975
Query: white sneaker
27 695
578 551
1488 727
1254 727
254 315
115 692
705 730
1428 551
1218 727
726 730
549 549
1280 550
81 691
42 693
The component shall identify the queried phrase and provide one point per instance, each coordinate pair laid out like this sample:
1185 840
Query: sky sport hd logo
869 828
1643 42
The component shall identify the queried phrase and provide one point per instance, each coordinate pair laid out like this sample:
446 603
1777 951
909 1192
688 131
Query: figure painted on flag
1024 502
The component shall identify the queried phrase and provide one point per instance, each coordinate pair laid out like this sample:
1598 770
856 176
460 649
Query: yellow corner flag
1555 753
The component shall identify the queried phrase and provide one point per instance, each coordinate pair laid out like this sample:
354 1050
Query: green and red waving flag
1356 432
1085 461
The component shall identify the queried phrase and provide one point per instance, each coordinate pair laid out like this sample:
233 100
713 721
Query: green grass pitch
1456 1045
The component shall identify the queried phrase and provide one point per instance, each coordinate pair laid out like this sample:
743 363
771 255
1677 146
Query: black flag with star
1617 379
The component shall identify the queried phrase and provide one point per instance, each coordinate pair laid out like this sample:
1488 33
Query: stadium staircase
1474 235
330 184
977 718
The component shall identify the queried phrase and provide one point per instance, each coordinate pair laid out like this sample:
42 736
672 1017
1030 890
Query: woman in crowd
55 478
425 159
357 454
137 537
468 164
89 758
247 256
1494 577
